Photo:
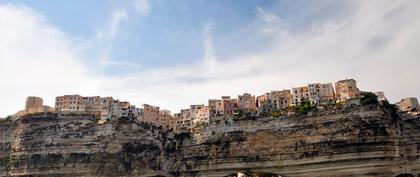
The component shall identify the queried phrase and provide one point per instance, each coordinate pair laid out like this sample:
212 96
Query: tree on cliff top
368 98
304 106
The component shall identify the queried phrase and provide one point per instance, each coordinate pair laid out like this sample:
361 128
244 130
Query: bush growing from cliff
304 107
391 107
182 136
275 113
6 162
368 98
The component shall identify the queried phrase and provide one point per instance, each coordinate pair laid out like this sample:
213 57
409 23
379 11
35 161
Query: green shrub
368 98
182 136
236 118
304 106
6 162
391 107
275 114
9 162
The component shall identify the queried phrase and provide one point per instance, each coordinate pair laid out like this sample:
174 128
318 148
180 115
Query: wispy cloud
210 57
142 7
117 17
36 59
104 40
271 21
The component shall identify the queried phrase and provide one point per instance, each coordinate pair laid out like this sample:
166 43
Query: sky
176 53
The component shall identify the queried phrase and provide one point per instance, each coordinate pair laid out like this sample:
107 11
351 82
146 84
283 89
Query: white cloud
210 57
271 21
142 6
103 41
117 17
35 59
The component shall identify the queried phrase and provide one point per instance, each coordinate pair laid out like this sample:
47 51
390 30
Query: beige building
202 115
165 120
408 104
321 93
150 113
215 108
346 89
125 109
194 113
261 100
184 120
327 93
300 93
188 118
246 102
284 99
69 103
34 104
230 106
105 107
274 100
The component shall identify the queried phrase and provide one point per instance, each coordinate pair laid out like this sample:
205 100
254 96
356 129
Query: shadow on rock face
405 175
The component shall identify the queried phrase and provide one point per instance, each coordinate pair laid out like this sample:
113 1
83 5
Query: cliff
362 141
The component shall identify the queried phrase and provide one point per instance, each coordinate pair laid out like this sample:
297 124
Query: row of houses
105 107
227 107
109 108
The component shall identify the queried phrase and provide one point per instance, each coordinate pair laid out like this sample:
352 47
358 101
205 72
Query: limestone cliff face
359 142
364 141
76 145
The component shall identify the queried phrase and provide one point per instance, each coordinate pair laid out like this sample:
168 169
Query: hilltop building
216 108
202 115
321 93
34 105
381 96
105 107
346 89
300 93
150 114
274 100
188 118
230 106
261 100
408 104
246 102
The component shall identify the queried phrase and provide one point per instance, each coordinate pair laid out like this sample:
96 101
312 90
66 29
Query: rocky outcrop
364 141
361 141
77 145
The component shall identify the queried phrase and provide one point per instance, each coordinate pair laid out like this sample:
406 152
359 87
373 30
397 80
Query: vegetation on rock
182 136
368 98
304 107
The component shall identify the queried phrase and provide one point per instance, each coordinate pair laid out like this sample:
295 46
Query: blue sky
176 53
170 34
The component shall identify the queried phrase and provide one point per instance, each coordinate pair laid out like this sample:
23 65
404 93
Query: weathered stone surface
363 141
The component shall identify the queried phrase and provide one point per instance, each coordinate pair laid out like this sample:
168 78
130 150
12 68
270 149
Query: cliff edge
359 141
